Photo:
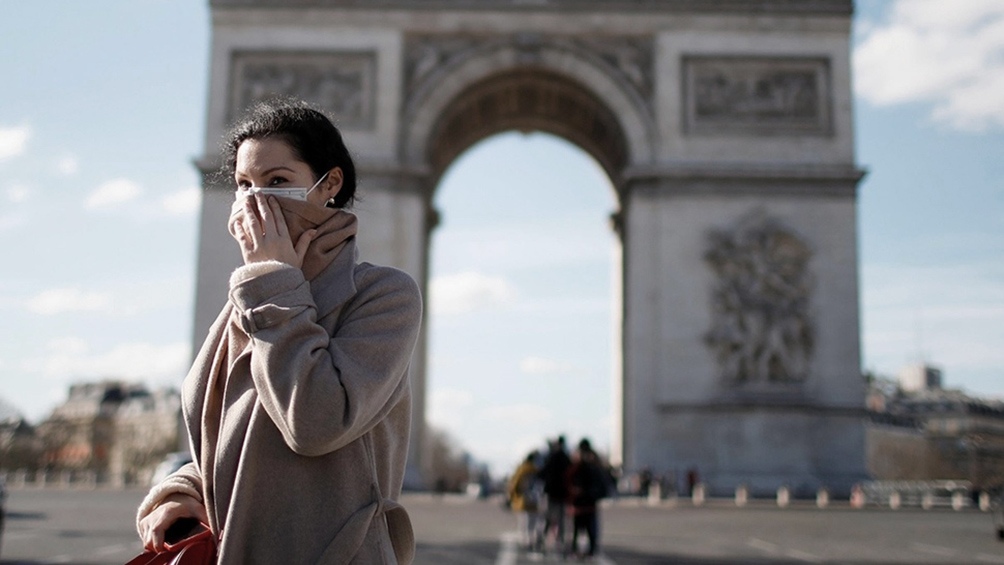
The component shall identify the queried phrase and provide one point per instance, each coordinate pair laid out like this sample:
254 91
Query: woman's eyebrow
274 169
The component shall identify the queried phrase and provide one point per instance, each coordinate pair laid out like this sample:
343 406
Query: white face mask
294 193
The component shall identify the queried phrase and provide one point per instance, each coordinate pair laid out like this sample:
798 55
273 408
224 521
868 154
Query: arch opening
529 100
524 299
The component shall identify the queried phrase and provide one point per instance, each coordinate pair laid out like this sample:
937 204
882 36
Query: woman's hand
173 507
260 230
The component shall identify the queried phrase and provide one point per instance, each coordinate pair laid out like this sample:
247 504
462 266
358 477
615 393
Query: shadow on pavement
626 556
462 553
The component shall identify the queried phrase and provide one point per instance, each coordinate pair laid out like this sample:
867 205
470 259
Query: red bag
196 549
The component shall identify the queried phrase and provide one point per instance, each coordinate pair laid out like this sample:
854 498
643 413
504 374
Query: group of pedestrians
557 486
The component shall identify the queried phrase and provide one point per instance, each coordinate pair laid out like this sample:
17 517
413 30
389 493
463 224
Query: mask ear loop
316 184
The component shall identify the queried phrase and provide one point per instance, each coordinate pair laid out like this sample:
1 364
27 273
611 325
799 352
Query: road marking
933 549
509 550
774 549
803 556
762 545
986 557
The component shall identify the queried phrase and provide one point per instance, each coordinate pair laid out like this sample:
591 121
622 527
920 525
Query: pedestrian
587 485
524 492
298 404
554 476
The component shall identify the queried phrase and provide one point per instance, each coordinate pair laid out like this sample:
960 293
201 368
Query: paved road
95 528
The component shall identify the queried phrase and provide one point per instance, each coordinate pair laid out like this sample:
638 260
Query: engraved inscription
341 83
761 329
757 95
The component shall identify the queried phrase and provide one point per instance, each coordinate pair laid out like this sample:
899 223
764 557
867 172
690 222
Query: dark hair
308 132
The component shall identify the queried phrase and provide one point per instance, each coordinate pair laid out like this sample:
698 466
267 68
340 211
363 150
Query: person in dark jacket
554 475
586 487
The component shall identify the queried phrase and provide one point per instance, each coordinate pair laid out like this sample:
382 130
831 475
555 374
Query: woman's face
271 163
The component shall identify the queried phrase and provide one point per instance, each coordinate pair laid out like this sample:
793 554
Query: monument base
801 447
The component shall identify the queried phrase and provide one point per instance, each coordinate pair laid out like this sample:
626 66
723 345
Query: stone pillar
739 411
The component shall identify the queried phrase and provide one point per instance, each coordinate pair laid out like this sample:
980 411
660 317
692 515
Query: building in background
111 431
920 431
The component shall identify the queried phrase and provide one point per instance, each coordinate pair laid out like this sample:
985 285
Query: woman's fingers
302 244
274 218
252 224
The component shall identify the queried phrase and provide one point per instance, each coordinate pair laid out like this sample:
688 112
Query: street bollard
958 500
822 498
895 500
697 497
985 501
654 494
783 496
742 495
857 497
927 501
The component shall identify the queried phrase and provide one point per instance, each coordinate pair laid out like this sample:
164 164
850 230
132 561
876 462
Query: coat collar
336 283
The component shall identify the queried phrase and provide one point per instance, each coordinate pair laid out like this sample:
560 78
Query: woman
524 499
298 404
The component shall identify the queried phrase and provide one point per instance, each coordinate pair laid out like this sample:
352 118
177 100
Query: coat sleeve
324 391
185 480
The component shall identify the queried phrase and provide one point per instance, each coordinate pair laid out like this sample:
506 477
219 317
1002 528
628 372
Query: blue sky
103 110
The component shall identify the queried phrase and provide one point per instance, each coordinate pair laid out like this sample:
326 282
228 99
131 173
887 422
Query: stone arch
606 118
700 112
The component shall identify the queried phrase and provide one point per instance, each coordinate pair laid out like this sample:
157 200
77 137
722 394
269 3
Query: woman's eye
276 181
243 184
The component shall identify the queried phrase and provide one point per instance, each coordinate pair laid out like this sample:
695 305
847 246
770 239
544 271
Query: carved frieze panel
342 83
628 59
757 95
762 330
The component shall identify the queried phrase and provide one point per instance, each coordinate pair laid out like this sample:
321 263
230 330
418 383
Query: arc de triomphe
726 129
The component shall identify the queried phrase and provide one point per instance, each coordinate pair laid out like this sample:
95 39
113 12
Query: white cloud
112 193
13 141
183 202
59 300
950 54
17 193
71 358
541 366
469 291
68 165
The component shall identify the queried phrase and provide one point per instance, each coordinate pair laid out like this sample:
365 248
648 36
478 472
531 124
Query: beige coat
307 455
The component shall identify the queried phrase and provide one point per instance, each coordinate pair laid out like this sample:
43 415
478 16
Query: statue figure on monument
761 330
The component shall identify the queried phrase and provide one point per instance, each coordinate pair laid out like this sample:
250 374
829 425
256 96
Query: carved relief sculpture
757 95
340 83
761 325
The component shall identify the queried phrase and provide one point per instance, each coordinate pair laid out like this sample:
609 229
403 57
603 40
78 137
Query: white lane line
933 549
803 556
765 546
508 549
774 549
987 558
